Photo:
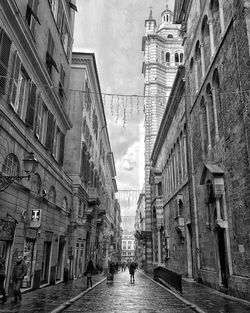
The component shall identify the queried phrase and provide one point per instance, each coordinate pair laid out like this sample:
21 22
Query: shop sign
35 218
31 233
7 229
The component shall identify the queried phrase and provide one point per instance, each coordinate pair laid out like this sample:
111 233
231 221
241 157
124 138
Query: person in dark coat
19 271
90 272
2 278
132 268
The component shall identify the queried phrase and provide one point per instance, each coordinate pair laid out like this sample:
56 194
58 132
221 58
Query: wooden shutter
38 117
31 106
14 82
50 131
61 151
5 44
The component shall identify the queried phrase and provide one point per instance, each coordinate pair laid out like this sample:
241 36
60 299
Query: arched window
210 112
192 79
36 183
205 39
11 165
181 57
170 36
176 58
180 208
217 100
167 58
198 65
215 15
52 194
204 126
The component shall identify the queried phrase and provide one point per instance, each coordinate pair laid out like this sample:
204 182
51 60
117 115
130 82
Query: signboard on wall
7 229
35 218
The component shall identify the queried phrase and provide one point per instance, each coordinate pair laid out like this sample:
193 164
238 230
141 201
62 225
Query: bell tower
163 54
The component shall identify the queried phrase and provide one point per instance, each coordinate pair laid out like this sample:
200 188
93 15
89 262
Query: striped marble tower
163 52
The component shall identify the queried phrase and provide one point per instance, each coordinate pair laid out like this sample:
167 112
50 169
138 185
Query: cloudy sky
113 30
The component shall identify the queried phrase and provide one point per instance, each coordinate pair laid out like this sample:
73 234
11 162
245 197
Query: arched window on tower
181 57
168 58
176 58
170 36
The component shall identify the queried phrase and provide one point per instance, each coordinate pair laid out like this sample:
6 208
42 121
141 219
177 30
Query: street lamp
29 163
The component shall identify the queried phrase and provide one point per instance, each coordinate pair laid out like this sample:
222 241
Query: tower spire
166 4
150 14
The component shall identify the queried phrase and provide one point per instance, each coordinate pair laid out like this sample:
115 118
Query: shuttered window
31 106
49 55
31 14
61 151
50 132
15 82
5 44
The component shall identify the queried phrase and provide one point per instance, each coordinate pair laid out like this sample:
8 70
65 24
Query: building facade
128 248
171 224
162 55
35 47
96 211
216 46
140 256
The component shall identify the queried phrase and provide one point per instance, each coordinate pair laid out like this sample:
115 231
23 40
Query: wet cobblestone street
143 296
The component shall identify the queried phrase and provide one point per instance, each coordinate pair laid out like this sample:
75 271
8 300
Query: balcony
93 196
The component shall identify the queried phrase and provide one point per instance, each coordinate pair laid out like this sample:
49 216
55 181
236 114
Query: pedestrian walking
2 278
19 271
124 266
132 268
90 272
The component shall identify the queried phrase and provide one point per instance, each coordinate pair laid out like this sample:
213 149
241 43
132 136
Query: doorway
189 251
59 272
46 262
222 256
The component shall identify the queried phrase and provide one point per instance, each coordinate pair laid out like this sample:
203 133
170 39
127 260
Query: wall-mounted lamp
29 163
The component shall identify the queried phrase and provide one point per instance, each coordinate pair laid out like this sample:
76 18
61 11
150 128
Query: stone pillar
159 244
222 22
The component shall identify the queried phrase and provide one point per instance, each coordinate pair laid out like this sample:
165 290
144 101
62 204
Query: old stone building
216 45
95 224
35 53
140 256
162 55
171 222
